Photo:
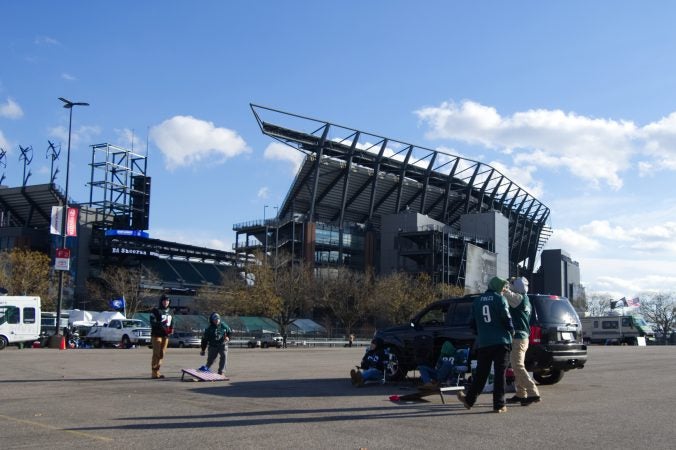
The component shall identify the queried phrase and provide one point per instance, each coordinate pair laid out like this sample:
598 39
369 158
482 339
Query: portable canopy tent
77 317
307 326
105 317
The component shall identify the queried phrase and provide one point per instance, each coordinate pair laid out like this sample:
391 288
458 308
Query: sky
575 101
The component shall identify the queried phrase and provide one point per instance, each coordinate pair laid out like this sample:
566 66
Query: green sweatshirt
521 318
215 335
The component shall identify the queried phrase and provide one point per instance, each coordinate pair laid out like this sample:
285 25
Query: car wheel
126 342
250 345
181 345
393 369
3 342
264 345
549 377
98 343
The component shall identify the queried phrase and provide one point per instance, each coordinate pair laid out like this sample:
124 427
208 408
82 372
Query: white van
19 319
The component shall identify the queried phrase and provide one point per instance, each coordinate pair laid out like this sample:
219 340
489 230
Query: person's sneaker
203 369
528 400
360 379
353 376
500 410
220 372
463 399
515 400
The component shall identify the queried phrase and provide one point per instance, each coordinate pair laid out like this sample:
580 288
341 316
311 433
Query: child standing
216 337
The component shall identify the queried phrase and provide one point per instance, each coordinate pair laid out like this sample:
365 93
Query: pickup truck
126 332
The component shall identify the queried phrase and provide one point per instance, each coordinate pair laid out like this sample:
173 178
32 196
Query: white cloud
263 192
4 143
573 242
128 139
10 109
281 152
629 276
82 134
186 141
68 77
46 40
191 237
596 150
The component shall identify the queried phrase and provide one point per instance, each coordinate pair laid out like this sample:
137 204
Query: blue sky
576 101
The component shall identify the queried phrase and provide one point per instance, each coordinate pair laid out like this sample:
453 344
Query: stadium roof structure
29 206
352 176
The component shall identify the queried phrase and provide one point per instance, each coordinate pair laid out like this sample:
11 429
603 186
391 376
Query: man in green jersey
493 324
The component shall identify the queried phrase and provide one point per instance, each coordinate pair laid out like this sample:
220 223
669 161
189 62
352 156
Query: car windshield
639 321
551 308
132 323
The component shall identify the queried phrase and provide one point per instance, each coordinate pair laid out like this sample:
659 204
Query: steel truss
353 176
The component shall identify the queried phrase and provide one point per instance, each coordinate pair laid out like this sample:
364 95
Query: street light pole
68 105
265 223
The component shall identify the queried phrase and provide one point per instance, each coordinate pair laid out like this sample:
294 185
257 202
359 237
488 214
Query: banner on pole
55 223
71 222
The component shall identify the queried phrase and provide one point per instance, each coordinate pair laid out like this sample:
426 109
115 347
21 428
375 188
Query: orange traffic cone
62 344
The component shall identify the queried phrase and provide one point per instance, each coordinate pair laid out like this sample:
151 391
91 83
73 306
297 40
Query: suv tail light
535 335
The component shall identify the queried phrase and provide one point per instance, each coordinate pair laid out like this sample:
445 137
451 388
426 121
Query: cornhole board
198 375
419 396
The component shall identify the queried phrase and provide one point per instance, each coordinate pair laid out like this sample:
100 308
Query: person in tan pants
161 324
521 309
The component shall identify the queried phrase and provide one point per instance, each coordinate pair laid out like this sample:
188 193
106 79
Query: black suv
555 340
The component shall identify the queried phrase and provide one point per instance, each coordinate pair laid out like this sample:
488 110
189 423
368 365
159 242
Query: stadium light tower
68 105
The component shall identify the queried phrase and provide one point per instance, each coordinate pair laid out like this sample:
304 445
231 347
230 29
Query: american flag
634 302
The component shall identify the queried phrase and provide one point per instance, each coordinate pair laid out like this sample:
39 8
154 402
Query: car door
431 327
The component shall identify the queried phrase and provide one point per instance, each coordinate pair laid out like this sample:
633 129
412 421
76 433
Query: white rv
611 329
19 319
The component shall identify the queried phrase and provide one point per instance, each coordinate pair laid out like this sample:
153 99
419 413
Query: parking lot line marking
51 427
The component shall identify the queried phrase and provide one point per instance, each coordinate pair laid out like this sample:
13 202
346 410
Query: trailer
19 320
625 329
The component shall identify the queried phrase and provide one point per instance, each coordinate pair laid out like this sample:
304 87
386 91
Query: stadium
359 200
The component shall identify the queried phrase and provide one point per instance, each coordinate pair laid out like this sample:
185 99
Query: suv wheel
552 376
393 369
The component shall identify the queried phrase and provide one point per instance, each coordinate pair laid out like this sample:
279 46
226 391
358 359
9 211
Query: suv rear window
551 308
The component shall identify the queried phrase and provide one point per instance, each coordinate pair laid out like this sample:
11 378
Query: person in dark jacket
161 325
491 319
216 337
372 364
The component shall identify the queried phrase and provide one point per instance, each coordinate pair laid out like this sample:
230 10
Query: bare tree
598 303
296 289
348 295
660 309
26 272
399 296
126 282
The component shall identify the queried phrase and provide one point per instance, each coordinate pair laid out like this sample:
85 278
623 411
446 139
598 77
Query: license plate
566 336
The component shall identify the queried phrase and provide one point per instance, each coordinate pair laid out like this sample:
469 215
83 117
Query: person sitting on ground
216 336
432 377
372 365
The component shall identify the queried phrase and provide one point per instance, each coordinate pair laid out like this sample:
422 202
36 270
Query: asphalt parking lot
302 398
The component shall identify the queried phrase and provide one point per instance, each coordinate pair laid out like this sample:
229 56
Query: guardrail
312 342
